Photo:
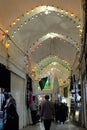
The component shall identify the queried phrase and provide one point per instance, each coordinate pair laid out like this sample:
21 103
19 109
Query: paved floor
54 126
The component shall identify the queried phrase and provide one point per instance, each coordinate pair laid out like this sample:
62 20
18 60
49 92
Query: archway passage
45 39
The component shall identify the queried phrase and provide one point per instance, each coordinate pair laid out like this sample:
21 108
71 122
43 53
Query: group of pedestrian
52 112
61 112
48 112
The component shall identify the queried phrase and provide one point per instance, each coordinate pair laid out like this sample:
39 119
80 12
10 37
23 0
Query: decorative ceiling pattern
47 33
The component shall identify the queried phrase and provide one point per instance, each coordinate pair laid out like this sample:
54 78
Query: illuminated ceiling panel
34 27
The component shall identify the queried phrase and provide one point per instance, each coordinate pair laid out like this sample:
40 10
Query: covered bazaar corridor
43 50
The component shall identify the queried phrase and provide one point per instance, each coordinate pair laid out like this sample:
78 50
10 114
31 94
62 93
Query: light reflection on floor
54 126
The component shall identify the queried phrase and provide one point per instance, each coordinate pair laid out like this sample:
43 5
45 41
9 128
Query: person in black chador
63 112
56 110
11 119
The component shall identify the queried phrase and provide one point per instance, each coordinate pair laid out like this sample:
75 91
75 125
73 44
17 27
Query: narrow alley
43 64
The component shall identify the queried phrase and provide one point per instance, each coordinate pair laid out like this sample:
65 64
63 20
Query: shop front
4 87
75 102
5 75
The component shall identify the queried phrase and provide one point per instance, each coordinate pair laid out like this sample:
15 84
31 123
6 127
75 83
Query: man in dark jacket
47 112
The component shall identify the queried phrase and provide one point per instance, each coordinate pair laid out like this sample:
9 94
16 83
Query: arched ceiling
43 33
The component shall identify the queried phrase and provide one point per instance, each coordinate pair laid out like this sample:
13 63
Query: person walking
11 118
56 110
34 108
47 112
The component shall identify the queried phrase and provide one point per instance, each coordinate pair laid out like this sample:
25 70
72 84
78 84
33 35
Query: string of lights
9 38
7 44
